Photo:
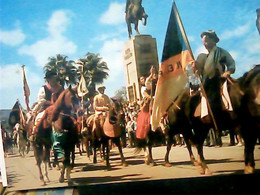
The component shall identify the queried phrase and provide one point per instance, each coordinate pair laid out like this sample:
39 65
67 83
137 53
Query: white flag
82 88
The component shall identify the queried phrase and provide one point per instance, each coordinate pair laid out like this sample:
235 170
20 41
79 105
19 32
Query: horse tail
154 138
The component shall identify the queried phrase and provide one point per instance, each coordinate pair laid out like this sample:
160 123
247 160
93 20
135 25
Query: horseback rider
214 69
217 61
49 92
47 96
101 105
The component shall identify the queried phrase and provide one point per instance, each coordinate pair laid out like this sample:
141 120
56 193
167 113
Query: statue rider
129 6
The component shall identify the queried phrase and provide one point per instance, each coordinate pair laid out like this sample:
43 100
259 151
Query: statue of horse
57 119
249 115
134 13
111 130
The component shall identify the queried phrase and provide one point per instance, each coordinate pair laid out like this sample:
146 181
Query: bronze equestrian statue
134 12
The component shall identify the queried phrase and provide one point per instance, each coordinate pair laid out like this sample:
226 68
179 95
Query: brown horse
111 130
249 114
182 119
134 13
145 137
57 119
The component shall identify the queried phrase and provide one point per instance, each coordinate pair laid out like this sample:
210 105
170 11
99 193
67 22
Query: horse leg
46 159
106 153
67 164
68 171
38 153
192 158
61 179
117 142
146 156
129 29
145 16
168 149
136 27
203 168
95 154
249 156
150 155
73 156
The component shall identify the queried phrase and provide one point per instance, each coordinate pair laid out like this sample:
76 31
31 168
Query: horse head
67 103
115 111
250 84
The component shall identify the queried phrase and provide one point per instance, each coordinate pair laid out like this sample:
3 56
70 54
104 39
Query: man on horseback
47 95
49 92
214 68
101 105
217 59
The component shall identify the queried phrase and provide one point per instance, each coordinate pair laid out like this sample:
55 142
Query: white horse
20 138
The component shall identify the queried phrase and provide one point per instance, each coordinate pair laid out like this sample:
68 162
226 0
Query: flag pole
196 73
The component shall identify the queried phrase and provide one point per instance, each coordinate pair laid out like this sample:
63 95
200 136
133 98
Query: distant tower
139 53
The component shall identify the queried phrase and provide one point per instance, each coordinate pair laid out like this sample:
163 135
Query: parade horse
182 118
111 130
58 119
145 137
134 13
249 115
20 137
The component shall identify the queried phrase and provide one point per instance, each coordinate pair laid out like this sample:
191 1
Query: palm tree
94 71
66 71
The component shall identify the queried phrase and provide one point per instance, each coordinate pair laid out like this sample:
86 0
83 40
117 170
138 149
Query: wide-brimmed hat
50 74
211 34
101 87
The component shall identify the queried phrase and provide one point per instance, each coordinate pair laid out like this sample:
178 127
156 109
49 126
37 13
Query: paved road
23 173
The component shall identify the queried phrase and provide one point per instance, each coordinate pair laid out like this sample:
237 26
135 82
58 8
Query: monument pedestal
139 53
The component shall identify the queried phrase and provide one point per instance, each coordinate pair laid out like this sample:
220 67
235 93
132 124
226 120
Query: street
23 174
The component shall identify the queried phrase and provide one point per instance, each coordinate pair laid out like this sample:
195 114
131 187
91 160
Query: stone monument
139 54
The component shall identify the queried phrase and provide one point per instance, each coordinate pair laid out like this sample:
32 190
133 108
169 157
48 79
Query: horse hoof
61 180
124 164
208 172
70 182
108 167
152 164
43 183
249 170
168 165
201 171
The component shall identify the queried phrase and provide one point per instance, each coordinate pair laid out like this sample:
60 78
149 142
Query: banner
82 88
172 77
26 89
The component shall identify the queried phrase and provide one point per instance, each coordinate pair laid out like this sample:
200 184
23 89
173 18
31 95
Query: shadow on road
110 179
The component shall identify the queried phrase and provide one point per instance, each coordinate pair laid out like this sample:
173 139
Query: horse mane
245 80
57 106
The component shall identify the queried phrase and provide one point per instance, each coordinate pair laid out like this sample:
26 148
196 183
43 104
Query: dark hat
50 74
211 34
